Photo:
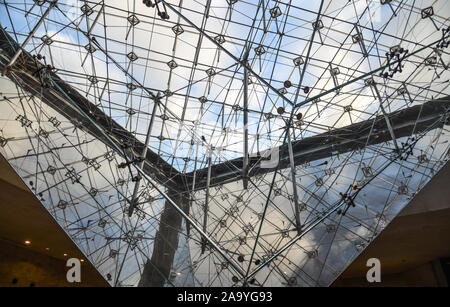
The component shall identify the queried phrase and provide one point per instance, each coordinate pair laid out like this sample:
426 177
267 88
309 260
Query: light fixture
65 255
47 248
82 260
27 242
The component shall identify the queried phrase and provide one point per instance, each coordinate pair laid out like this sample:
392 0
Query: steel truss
150 145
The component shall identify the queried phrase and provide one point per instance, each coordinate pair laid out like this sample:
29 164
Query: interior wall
410 246
23 267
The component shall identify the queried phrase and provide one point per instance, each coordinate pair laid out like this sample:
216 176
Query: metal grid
210 88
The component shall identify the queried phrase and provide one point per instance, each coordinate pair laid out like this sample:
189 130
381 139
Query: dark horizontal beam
405 122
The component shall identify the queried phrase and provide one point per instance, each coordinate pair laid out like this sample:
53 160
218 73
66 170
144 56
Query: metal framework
218 143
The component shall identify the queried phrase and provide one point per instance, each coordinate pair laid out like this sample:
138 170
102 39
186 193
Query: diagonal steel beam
206 204
245 151
134 198
243 63
339 204
353 137
294 183
30 36
368 74
118 149
386 118
286 133
73 105
153 164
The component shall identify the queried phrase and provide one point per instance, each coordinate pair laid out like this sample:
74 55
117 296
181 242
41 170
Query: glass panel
116 111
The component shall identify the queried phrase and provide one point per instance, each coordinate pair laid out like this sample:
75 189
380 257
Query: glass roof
204 84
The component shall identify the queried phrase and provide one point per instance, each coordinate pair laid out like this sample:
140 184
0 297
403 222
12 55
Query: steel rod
366 75
228 52
205 208
117 148
30 36
245 156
